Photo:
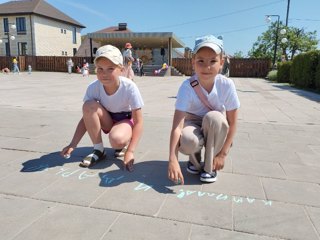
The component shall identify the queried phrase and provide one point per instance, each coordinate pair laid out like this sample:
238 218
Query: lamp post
283 40
13 27
268 19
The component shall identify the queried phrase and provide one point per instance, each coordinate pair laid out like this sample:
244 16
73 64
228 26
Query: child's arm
218 162
77 136
174 170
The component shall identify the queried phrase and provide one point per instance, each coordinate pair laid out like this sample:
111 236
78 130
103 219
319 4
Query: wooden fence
43 63
239 67
248 67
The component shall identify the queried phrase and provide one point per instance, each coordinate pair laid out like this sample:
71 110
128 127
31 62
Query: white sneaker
208 177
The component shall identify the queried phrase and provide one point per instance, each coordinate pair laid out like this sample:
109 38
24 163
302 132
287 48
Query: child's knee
190 144
215 118
90 106
117 140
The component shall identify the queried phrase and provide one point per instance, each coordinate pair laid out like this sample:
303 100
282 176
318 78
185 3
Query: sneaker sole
208 180
193 171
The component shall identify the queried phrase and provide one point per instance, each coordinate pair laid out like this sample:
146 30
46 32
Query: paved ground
269 188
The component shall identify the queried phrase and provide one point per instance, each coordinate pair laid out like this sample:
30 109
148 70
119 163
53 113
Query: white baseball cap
110 52
208 41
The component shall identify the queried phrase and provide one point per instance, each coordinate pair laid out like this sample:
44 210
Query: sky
240 22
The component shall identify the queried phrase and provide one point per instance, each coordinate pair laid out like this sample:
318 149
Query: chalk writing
267 202
218 197
108 180
84 175
66 172
222 197
142 186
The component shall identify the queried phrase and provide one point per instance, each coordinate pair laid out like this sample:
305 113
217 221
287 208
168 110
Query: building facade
35 27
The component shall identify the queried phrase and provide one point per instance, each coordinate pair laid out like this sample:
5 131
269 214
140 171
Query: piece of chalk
67 156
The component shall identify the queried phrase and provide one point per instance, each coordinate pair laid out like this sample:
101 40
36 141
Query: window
6 25
64 31
74 35
74 51
61 30
62 53
22 48
7 49
21 25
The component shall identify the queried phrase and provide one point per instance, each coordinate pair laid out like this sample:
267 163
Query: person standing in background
128 60
15 65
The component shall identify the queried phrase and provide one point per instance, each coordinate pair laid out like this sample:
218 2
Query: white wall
48 39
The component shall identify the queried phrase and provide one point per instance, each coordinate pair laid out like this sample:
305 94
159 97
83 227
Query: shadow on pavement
151 173
148 174
54 159
313 96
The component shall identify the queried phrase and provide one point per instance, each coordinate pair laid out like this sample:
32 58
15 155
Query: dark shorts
125 117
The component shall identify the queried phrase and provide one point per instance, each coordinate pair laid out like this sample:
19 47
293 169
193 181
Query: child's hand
218 161
128 161
174 172
66 152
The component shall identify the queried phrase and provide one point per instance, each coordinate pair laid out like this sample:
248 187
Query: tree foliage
238 54
299 41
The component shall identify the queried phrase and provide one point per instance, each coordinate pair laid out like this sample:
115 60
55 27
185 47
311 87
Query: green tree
299 41
238 54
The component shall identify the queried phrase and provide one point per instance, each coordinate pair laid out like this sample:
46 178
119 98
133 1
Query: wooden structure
239 67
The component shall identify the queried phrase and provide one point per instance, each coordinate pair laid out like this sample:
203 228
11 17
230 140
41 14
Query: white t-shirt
125 99
223 97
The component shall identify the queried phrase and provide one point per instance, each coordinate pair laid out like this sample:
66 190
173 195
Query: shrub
303 69
272 75
317 75
283 75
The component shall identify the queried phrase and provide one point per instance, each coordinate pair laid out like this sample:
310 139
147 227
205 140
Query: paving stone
269 188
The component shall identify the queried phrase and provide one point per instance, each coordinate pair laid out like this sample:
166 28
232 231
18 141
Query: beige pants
209 132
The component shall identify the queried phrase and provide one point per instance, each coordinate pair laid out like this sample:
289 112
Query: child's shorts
125 117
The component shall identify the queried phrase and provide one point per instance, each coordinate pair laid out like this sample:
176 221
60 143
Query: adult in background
128 60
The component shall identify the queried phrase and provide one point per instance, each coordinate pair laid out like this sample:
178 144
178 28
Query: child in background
15 66
112 104
195 125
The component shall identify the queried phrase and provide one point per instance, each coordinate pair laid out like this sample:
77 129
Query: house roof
113 29
38 7
137 39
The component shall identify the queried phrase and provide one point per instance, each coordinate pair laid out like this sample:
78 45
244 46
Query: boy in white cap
205 115
112 104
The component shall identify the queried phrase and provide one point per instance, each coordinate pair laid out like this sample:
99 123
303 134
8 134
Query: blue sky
240 22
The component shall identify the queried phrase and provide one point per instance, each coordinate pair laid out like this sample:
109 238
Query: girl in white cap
112 104
205 115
